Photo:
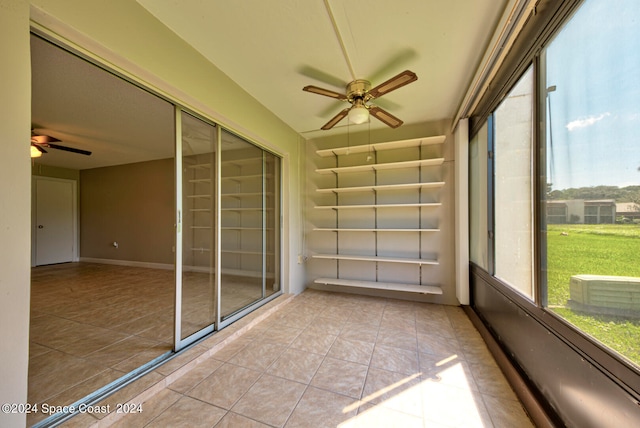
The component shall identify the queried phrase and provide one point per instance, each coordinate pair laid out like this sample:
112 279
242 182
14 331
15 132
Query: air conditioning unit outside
615 295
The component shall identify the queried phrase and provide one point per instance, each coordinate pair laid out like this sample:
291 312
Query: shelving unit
376 147
198 190
246 200
376 187
373 229
390 286
382 166
346 207
382 214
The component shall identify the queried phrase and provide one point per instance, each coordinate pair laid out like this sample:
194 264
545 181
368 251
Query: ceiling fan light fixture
35 153
358 115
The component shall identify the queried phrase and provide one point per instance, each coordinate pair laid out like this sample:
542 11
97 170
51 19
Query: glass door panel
272 223
249 236
198 267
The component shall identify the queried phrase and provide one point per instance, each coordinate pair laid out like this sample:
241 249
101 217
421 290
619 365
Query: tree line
619 194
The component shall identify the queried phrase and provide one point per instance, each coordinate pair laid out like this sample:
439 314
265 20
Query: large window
478 232
590 97
513 197
588 102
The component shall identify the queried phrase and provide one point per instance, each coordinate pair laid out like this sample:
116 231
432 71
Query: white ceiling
89 108
273 49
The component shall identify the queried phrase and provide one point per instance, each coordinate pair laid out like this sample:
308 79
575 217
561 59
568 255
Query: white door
54 226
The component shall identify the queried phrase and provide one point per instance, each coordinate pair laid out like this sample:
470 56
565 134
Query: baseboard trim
131 263
527 397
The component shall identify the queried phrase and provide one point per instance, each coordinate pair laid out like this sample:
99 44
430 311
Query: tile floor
328 360
93 323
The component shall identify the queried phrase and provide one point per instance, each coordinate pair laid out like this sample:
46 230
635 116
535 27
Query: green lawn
597 250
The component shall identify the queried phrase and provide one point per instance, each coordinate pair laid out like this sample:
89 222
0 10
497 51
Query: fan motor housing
358 89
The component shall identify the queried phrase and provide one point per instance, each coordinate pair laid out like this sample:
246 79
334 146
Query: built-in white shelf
382 166
244 252
199 196
199 166
411 196
200 180
373 229
359 206
406 260
247 209
433 185
241 161
201 249
243 228
391 286
243 194
247 273
414 142
243 177
200 210
200 227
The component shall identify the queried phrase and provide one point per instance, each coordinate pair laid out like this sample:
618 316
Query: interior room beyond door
55 217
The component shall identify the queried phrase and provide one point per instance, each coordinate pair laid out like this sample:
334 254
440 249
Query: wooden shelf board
382 166
434 184
414 142
375 259
392 286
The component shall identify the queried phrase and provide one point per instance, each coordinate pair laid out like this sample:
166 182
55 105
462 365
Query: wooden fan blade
68 149
394 83
337 118
325 92
385 117
42 139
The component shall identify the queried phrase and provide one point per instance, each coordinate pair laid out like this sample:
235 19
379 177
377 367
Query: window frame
530 54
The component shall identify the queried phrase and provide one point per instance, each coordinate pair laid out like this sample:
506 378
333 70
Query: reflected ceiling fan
39 142
359 93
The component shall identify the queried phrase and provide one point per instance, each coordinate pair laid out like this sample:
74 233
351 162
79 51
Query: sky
594 64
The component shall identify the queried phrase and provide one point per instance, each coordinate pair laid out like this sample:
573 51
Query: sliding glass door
228 227
196 273
249 212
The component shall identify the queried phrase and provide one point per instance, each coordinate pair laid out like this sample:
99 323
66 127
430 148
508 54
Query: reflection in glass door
250 224
197 270
228 237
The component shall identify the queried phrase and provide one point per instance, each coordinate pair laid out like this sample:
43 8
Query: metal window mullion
420 154
540 166
177 329
491 247
264 224
218 228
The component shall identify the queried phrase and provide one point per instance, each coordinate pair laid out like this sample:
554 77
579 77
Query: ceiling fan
40 142
359 93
